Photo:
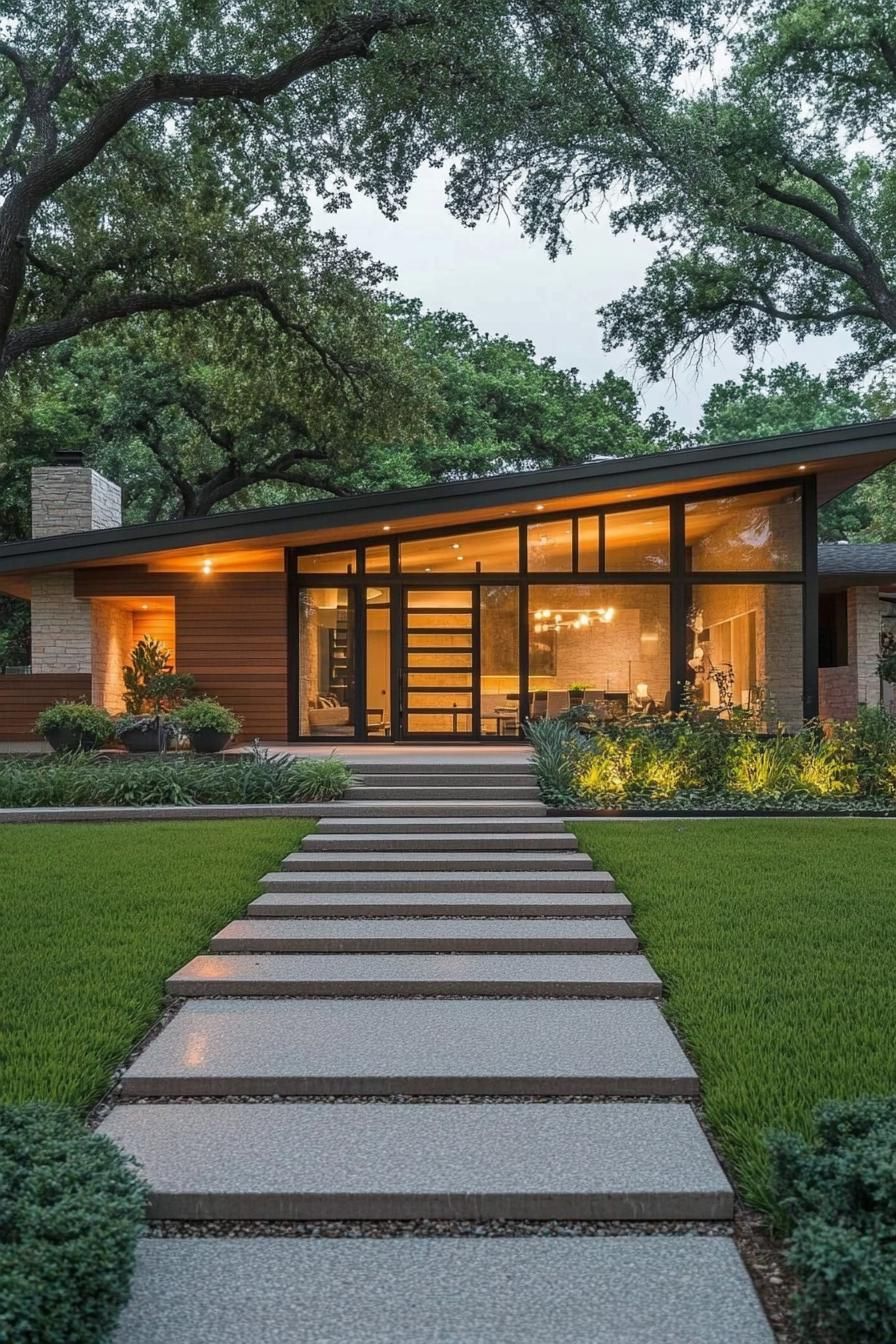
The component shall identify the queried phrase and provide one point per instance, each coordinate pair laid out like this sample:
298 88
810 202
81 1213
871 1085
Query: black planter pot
576 698
208 740
72 739
145 739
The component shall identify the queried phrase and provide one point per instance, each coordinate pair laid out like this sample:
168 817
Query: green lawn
776 941
93 917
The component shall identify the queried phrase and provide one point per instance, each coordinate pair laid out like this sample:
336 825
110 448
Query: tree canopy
157 157
767 191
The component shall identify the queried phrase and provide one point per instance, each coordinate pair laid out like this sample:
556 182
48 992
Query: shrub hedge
838 1194
679 764
84 781
71 1209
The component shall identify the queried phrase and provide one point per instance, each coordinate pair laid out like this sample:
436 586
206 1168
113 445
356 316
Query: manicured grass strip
775 942
93 917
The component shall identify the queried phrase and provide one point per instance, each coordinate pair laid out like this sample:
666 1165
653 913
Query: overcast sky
509 286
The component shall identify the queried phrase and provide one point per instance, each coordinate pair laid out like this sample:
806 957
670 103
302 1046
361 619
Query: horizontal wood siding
23 697
229 633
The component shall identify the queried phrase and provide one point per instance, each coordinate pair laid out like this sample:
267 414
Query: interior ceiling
488 547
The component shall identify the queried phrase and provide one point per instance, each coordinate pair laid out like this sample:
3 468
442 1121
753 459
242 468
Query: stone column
66 498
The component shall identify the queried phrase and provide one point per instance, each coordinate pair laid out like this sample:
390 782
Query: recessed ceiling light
386 527
802 468
144 606
460 557
206 566
455 545
539 508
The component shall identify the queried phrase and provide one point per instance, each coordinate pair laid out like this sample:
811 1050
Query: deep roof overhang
839 457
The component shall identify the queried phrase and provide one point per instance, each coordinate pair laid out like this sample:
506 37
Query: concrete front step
421 777
612 1160
425 935
442 825
430 765
442 1290
413 793
482 881
434 1047
579 974
424 861
447 811
338 903
436 841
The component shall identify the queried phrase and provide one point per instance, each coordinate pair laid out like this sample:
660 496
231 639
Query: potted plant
208 724
72 725
145 732
151 690
576 693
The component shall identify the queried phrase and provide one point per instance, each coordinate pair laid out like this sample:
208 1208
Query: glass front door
439 663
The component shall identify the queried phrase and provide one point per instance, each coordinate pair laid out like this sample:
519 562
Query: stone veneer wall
112 641
61 633
63 637
72 499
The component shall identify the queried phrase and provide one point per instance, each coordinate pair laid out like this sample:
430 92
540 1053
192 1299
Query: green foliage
321 779
773 938
71 1210
88 725
253 777
837 1191
150 684
556 760
687 763
206 712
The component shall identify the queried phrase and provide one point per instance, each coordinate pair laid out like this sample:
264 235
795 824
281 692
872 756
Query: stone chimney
69 497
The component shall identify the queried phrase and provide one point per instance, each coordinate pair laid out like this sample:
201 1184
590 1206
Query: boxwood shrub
71 1210
837 1193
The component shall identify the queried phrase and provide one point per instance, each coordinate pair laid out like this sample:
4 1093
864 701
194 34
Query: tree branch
40 335
809 249
23 69
342 39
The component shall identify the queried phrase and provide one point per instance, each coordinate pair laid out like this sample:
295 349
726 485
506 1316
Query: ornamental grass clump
71 1210
837 1194
178 781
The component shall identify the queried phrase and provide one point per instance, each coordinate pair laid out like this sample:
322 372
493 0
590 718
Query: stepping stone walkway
440 938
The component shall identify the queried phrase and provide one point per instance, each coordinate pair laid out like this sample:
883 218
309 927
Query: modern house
453 611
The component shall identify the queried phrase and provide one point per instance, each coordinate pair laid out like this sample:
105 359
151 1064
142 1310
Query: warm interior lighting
206 566
539 508
455 545
802 468
386 527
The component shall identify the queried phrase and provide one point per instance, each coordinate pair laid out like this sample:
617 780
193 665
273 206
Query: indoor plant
208 724
72 725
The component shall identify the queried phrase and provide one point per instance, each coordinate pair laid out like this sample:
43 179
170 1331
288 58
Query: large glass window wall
633 610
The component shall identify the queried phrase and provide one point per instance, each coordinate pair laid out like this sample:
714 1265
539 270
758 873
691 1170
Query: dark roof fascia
366 511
